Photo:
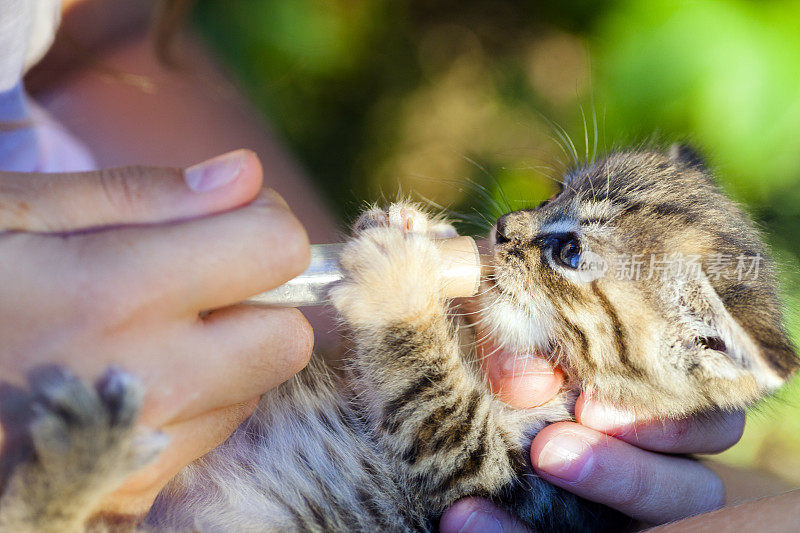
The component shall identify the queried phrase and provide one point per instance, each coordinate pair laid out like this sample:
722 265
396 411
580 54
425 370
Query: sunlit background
451 101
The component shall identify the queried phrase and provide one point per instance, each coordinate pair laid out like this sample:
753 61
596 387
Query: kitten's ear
730 349
684 155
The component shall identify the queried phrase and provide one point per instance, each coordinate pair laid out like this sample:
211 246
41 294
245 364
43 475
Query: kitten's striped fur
666 345
414 426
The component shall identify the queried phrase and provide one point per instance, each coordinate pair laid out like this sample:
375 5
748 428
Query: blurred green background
437 99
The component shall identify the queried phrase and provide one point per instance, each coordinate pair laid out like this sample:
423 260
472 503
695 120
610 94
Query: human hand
608 456
118 267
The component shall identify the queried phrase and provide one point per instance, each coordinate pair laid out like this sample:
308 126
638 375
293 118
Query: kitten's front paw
406 217
392 269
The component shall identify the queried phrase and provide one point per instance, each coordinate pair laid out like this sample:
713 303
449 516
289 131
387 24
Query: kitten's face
648 285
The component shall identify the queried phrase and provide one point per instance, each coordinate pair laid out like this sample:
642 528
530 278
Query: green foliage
725 74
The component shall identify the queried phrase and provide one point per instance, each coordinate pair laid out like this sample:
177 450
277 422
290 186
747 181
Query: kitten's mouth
508 337
500 343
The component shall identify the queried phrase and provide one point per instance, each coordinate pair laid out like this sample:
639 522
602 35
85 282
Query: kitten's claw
374 217
408 218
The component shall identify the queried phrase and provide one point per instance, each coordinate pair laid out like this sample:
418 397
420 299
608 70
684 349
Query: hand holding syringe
461 269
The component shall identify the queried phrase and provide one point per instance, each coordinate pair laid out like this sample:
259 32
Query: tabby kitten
414 426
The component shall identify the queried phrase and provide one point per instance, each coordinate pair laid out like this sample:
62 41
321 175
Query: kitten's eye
566 250
570 253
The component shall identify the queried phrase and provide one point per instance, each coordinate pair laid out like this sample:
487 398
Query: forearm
774 514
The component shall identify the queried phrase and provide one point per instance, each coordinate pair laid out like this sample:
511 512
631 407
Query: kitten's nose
501 229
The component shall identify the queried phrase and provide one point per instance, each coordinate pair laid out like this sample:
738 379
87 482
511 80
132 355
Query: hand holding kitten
116 267
608 456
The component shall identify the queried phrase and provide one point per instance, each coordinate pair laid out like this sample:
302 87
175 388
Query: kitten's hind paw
85 444
88 428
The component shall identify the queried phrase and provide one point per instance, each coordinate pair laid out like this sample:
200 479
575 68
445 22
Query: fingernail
605 417
566 456
214 173
481 521
520 364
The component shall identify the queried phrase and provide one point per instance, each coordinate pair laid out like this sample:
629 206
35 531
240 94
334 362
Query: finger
708 433
520 379
476 515
188 440
40 202
648 486
233 354
198 264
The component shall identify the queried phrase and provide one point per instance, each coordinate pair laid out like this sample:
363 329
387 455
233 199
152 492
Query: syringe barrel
461 270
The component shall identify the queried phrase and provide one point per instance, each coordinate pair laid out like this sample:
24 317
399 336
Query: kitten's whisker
544 170
494 179
485 308
562 133
486 356
586 144
541 169
482 311
594 121
564 150
585 132
563 183
564 139
472 323
486 194
460 184
478 321
488 221
480 221
431 203
486 337
481 293
481 339
605 147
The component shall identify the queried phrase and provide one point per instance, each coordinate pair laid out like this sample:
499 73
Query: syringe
461 271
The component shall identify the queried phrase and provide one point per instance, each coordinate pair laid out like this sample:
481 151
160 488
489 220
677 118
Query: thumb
41 202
